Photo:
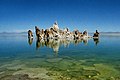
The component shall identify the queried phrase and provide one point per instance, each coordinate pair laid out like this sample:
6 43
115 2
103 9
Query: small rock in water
89 76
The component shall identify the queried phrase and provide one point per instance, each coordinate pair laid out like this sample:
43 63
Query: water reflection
96 41
56 43
49 43
85 41
30 40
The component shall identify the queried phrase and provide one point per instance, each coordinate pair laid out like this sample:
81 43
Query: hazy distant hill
13 32
110 33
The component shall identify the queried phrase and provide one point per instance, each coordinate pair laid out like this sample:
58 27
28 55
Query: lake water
28 59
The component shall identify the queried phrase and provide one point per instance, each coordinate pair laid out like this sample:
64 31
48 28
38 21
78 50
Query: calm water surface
28 59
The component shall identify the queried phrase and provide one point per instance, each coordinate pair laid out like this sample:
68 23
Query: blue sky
21 15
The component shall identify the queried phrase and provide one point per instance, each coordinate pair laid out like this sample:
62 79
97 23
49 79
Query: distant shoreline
88 32
109 33
101 33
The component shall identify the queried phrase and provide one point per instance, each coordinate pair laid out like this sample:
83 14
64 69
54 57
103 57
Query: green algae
106 71
18 77
65 68
34 73
69 69
17 67
88 68
74 69
6 73
54 60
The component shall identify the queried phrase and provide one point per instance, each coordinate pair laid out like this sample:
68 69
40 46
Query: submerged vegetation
65 68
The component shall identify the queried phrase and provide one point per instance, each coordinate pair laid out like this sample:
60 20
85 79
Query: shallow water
28 59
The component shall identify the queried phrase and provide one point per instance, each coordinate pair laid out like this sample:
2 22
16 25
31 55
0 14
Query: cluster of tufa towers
55 33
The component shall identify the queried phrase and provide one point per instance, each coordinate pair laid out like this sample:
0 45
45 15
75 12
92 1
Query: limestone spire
55 26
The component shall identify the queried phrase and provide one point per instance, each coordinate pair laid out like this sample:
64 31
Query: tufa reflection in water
96 41
30 40
56 43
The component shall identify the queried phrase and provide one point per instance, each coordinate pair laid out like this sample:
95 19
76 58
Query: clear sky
21 15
